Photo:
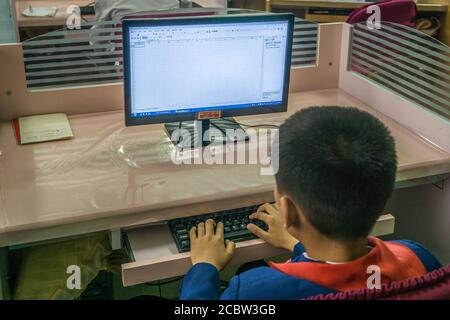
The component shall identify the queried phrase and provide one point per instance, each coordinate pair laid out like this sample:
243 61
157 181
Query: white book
47 127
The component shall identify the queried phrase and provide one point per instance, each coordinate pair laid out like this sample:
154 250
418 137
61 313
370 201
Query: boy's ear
289 213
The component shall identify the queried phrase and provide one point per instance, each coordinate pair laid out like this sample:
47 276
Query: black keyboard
235 225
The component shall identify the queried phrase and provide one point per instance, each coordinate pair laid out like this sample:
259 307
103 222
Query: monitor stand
186 134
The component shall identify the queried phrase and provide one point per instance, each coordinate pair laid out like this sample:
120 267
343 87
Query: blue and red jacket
301 277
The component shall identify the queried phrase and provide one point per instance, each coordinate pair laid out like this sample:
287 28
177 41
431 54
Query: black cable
267 125
218 128
164 283
221 130
159 284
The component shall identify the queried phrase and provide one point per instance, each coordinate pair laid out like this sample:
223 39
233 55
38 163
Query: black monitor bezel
127 23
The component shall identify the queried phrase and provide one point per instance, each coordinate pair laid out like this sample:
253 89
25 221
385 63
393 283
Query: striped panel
66 58
405 61
93 54
304 48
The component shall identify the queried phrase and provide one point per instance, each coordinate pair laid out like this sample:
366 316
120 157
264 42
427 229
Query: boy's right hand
276 235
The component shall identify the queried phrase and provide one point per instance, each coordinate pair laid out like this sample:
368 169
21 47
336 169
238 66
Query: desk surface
422 5
58 20
108 171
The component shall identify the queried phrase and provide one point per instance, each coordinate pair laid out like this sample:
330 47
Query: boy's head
337 169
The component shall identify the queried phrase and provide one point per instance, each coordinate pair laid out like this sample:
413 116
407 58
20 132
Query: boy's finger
209 227
201 229
230 246
260 233
260 216
192 234
219 230
269 208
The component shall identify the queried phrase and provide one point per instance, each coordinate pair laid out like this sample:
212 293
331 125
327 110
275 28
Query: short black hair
338 164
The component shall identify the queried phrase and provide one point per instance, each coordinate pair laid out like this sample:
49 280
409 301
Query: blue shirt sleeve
202 282
232 292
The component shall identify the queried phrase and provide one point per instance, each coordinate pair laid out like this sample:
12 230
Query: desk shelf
155 256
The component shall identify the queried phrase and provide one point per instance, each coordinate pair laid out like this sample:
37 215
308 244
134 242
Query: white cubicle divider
74 57
402 73
405 61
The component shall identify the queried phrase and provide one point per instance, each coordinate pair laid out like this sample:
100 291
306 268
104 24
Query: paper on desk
44 128
40 11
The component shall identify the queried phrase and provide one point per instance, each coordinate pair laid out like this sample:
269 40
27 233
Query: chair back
434 285
398 11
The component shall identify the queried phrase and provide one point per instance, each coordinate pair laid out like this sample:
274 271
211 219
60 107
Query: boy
336 172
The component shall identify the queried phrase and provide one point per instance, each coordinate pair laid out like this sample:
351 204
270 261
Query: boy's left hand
277 235
208 246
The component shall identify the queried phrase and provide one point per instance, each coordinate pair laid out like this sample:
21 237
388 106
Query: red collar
396 262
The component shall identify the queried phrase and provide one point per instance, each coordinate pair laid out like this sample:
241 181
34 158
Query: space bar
239 235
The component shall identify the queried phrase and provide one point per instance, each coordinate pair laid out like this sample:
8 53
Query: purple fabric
397 11
434 285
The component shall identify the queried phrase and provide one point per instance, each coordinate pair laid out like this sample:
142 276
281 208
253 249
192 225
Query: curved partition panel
92 54
85 56
405 61
304 46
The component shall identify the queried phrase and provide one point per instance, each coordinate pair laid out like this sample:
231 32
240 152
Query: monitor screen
175 68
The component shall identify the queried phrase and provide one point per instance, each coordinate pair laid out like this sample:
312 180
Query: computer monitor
207 69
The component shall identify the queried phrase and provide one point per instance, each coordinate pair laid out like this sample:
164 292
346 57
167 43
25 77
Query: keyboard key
185 245
239 236
183 236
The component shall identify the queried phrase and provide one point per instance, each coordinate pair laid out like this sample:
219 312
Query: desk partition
405 61
93 54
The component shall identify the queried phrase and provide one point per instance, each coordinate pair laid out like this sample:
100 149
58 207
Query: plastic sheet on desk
109 170
44 270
